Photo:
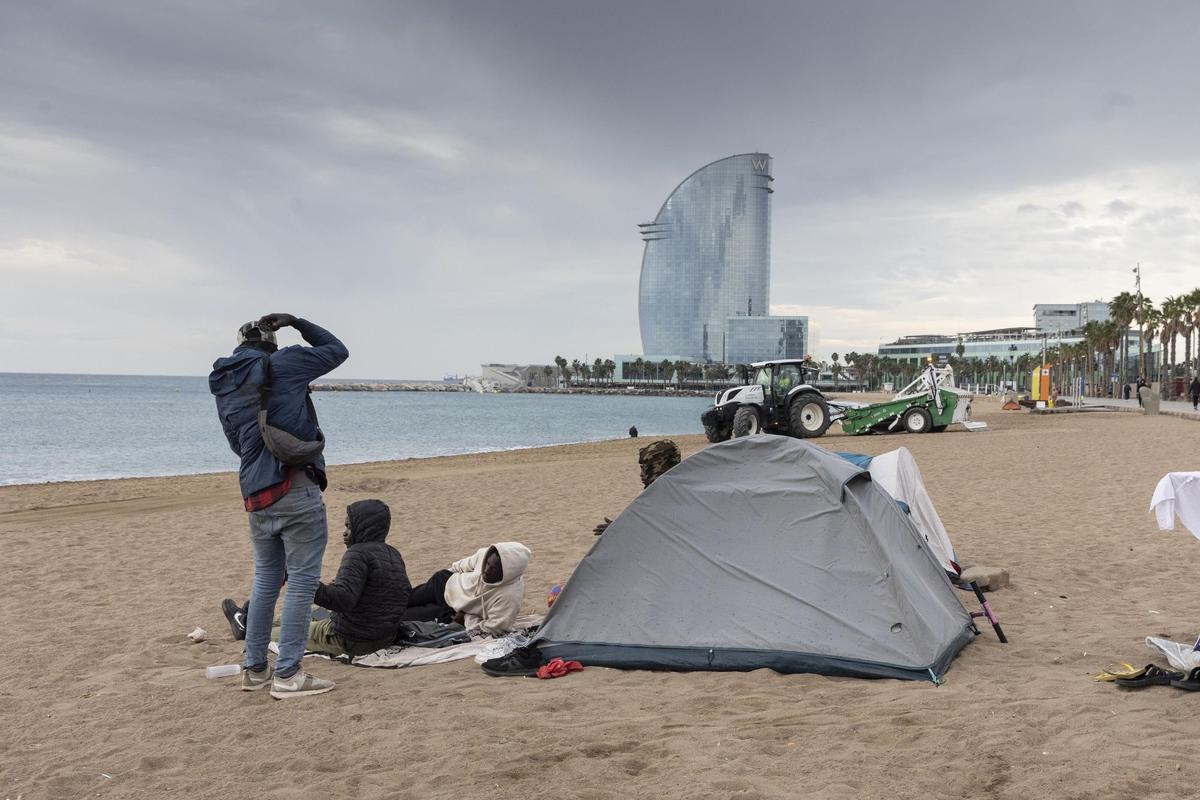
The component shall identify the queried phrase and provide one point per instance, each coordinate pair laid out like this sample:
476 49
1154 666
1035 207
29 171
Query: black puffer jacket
371 589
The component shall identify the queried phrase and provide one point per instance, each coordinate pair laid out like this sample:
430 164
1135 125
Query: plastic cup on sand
224 671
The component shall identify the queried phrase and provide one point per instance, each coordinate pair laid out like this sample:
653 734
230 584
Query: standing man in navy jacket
288 528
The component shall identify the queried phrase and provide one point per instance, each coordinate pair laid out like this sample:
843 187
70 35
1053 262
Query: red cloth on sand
556 668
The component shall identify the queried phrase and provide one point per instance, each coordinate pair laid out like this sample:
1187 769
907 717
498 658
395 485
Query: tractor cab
775 396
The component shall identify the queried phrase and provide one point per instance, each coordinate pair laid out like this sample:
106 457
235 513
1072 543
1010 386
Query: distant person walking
1140 383
288 527
1194 391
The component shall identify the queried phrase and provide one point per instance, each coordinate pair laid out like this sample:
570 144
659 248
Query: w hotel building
707 259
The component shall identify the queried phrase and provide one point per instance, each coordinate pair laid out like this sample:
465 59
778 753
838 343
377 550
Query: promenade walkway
1173 408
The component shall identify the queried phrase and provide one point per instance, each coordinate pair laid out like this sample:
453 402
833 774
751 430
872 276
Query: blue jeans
290 533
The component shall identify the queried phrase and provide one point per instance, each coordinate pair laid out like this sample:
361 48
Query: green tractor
782 399
929 404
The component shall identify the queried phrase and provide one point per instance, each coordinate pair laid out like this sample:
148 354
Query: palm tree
1123 309
681 370
836 369
1192 326
1143 310
1154 325
1172 312
547 371
1092 337
1110 345
562 365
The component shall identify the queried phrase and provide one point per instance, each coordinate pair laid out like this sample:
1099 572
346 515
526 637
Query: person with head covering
367 598
653 462
484 591
288 529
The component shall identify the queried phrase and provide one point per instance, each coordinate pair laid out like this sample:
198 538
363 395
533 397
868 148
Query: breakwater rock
490 388
389 387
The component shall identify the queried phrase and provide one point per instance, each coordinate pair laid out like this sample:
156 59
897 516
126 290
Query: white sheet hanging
1178 494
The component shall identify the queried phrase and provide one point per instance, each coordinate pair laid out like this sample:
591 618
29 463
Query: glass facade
750 339
707 258
1068 317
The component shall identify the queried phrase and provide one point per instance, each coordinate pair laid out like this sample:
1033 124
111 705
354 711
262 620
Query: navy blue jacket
235 381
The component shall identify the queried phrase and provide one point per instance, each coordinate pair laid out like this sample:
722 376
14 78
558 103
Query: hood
514 557
369 521
231 372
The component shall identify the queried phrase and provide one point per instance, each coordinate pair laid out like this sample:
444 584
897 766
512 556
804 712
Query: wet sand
102 695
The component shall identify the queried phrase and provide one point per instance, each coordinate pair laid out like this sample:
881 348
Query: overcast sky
448 183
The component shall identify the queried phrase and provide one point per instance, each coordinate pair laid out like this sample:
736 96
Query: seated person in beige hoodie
485 590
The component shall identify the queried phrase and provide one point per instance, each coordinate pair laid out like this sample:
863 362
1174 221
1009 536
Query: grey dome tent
762 551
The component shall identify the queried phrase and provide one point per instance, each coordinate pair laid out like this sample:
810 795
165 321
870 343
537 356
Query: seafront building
749 339
1055 317
1055 324
1006 344
705 291
512 376
707 258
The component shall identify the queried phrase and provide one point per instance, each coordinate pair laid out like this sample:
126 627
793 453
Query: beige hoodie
491 606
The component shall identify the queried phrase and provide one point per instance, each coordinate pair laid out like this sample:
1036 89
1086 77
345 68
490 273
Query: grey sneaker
253 681
299 685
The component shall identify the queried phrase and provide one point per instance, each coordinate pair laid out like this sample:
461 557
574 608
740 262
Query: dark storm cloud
450 183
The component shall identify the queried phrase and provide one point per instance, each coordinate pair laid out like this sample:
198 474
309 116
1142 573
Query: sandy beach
102 694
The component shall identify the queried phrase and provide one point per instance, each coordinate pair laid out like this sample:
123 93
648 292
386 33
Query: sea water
81 427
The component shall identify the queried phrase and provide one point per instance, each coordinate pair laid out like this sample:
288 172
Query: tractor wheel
715 434
808 417
917 420
746 422
938 428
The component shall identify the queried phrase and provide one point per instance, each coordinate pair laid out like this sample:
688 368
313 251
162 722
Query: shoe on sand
299 685
522 662
253 681
1153 675
1191 682
236 615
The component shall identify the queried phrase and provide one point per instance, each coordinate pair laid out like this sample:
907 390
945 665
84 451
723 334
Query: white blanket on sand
480 644
1178 494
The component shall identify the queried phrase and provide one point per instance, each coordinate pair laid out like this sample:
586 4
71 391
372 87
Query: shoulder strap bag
291 450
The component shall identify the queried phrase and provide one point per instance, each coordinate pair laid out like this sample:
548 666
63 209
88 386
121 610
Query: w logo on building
759 166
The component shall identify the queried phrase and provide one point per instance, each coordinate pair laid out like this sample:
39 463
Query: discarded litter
198 635
224 671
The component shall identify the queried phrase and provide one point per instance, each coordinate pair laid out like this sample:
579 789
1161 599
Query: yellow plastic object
1118 670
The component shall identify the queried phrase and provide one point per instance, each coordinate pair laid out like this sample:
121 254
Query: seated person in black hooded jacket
367 598
370 593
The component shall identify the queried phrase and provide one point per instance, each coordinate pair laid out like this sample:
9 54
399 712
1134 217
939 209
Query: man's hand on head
274 322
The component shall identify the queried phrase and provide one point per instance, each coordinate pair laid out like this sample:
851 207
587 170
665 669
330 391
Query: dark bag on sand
291 450
431 634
